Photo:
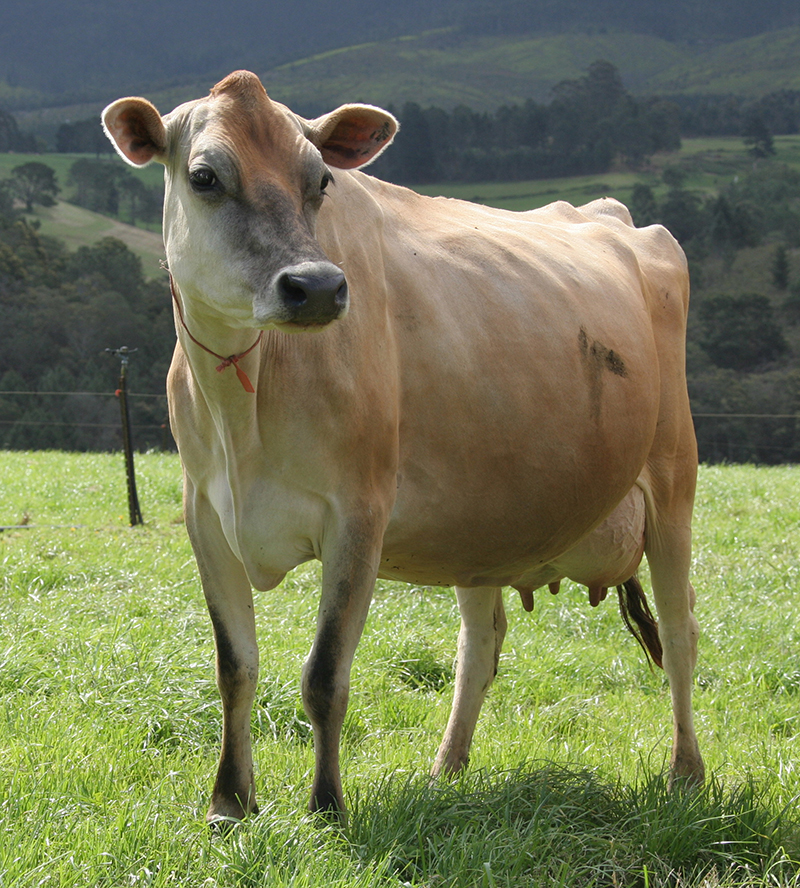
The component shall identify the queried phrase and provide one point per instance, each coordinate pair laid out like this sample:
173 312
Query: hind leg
483 628
668 549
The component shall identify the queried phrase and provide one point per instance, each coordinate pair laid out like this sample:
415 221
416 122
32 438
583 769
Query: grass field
709 164
109 717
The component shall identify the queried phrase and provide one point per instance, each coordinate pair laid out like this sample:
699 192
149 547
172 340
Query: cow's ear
353 135
136 130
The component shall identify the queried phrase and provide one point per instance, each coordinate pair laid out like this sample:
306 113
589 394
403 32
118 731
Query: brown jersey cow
412 388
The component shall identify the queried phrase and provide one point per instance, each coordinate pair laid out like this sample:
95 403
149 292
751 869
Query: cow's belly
606 556
518 438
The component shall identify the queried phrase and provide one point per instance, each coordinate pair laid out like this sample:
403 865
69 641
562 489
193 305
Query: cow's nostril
293 293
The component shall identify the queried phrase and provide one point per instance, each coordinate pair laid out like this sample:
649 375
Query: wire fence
92 423
81 420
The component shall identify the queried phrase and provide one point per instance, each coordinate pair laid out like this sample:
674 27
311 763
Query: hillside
64 62
78 227
447 68
59 51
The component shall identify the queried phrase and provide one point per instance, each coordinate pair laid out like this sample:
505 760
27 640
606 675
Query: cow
411 388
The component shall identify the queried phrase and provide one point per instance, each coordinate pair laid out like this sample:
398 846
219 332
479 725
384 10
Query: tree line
590 123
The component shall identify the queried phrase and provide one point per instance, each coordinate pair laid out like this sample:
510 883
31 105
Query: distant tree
663 123
757 136
780 267
731 226
6 202
682 212
83 137
673 176
791 304
8 131
741 332
11 139
135 193
643 206
110 259
413 149
95 184
12 271
780 111
35 182
584 120
603 87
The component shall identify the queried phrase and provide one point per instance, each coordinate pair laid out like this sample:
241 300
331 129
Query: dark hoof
329 812
223 819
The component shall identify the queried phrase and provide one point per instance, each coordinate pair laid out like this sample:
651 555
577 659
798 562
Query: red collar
226 362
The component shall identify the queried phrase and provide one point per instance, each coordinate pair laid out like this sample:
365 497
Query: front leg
349 570
230 604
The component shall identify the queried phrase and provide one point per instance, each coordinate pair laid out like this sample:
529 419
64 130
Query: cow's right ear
136 130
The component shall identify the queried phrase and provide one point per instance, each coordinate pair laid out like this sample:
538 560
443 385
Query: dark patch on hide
227 661
601 356
597 359
319 681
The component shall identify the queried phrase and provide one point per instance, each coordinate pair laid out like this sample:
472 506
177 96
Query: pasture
110 719
709 165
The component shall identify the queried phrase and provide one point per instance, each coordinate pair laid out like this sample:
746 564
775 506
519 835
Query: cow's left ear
352 136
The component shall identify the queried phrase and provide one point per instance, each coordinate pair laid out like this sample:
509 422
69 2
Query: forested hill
82 50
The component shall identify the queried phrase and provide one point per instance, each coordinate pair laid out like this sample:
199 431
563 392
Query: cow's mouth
297 326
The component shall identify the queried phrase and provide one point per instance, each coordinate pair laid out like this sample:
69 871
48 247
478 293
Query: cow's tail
639 619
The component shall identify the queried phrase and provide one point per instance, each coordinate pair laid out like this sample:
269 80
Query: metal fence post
134 511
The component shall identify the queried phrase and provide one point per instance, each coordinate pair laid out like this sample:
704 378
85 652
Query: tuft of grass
418 666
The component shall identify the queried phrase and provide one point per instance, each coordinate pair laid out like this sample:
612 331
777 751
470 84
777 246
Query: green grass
109 717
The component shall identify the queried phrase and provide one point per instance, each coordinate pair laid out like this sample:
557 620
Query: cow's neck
227 352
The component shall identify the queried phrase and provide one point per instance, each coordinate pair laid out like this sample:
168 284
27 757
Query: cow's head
245 181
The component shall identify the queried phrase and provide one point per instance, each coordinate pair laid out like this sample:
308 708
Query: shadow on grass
548 825
539 825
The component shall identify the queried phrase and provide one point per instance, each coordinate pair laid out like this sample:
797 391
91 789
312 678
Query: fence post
134 511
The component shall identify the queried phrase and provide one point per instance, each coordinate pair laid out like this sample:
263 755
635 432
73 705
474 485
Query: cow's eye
327 179
202 178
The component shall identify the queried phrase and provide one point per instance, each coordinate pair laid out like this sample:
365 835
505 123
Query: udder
606 557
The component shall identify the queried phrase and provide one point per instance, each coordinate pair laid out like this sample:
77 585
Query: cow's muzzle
312 294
